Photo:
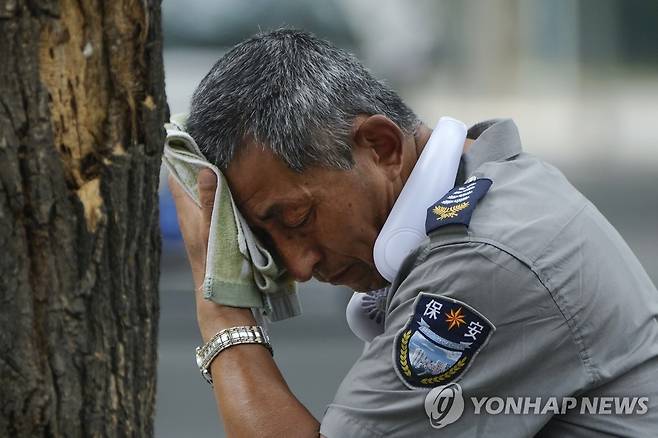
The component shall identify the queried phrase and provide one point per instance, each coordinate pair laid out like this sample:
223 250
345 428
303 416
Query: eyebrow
277 207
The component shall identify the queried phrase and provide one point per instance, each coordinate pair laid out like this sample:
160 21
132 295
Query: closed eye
302 222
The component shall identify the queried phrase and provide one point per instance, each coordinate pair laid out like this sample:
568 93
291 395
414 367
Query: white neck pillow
431 178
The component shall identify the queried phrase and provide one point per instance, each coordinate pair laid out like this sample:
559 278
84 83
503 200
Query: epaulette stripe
457 206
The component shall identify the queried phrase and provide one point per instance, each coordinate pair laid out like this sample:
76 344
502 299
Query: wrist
238 335
214 317
198 276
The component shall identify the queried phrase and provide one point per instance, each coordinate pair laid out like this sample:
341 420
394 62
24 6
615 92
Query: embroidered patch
439 342
457 206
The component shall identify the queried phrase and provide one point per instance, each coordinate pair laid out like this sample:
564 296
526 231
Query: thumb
207 184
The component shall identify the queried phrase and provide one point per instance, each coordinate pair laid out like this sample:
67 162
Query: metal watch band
228 337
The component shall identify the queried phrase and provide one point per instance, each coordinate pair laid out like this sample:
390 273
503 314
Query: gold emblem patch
444 213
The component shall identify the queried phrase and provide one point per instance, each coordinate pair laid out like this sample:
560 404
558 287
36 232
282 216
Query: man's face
321 223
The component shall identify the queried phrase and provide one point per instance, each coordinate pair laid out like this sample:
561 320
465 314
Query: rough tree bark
81 110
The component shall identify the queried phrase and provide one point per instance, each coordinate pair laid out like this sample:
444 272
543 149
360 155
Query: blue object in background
168 219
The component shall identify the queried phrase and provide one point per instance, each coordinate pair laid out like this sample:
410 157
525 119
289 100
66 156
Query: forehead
258 178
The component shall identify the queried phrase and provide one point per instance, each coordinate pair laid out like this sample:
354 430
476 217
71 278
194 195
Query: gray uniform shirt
573 313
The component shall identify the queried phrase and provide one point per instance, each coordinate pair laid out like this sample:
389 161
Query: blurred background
580 79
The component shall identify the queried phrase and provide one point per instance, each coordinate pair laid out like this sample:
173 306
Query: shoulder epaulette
457 206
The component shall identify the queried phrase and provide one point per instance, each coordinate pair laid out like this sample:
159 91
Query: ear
380 140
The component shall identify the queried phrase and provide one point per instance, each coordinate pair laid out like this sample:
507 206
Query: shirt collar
495 140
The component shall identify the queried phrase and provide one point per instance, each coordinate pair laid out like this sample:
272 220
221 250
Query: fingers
207 183
194 222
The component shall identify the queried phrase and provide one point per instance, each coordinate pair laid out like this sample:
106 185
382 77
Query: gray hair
292 93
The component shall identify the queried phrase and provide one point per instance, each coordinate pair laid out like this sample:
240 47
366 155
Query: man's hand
194 223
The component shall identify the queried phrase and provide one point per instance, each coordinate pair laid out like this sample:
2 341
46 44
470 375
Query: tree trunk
81 110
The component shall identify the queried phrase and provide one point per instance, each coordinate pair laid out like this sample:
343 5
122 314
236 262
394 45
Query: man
522 290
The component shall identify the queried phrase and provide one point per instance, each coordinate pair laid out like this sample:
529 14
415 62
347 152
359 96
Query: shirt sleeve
529 352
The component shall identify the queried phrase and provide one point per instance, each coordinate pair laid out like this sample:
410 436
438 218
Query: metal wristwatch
228 337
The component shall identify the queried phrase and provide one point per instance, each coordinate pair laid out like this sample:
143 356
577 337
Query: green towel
240 271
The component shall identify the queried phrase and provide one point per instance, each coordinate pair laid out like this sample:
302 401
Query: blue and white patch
457 206
439 342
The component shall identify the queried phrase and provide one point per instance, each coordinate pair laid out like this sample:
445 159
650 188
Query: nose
299 255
